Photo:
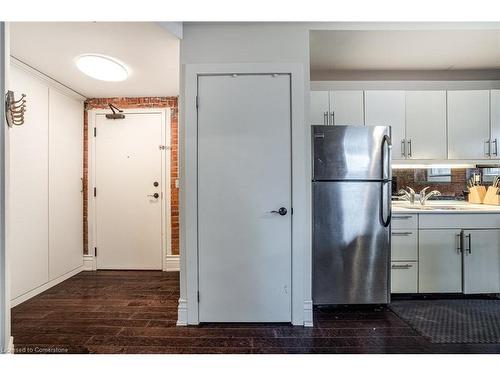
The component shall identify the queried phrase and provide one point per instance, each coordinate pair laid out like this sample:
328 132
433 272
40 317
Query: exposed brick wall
148 102
455 188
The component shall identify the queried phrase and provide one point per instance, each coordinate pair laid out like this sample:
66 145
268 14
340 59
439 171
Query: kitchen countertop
443 207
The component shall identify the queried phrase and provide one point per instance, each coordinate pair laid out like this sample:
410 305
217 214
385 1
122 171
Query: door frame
301 304
166 230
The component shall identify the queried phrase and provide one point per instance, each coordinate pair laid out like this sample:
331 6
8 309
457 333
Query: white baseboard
10 349
89 263
44 287
182 313
172 263
308 313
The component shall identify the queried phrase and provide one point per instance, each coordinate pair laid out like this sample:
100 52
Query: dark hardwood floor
136 312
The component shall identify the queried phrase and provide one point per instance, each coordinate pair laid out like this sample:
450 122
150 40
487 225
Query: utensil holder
477 194
492 197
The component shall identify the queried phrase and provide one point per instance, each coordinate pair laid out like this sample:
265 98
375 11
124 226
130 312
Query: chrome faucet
423 197
407 195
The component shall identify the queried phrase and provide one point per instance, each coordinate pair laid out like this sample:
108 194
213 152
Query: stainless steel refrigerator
351 214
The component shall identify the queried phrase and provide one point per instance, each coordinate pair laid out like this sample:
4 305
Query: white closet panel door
387 108
346 107
28 216
468 124
65 184
495 123
319 108
426 124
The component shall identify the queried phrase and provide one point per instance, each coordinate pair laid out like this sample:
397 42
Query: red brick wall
455 188
149 102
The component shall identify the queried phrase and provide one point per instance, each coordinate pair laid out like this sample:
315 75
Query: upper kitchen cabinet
426 124
495 122
340 107
387 108
469 124
346 107
320 108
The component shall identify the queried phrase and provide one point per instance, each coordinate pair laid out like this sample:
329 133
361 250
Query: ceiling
414 50
149 51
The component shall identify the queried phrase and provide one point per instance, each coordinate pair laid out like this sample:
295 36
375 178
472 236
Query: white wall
4 271
216 43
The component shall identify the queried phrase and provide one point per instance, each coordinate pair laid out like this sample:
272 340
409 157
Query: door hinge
95 192
198 296
95 251
95 132
197 101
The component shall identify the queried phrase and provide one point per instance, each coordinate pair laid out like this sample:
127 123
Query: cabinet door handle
401 266
325 118
496 147
402 217
488 142
403 148
402 233
459 242
409 149
469 242
332 118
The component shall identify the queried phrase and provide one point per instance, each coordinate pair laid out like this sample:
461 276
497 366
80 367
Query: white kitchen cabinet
469 124
481 261
320 108
426 124
404 245
338 107
495 122
404 277
65 183
440 261
346 107
387 108
29 169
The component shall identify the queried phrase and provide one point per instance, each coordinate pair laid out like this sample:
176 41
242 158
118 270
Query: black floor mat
474 321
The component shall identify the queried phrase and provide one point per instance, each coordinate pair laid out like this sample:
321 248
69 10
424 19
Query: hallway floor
136 312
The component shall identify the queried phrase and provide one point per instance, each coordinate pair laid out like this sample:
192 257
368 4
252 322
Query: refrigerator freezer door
351 245
351 153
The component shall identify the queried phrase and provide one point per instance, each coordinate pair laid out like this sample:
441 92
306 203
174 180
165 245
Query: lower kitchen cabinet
440 261
481 261
404 245
404 276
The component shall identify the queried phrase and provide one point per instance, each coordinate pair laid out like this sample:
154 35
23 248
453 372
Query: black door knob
155 184
155 195
282 211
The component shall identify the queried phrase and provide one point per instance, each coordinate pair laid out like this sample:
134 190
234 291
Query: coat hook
14 109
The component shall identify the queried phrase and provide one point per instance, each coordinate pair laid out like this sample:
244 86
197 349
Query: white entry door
128 196
244 173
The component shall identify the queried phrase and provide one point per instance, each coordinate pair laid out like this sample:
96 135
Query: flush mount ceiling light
102 67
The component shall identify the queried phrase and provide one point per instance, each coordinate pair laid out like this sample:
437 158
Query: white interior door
29 170
244 172
65 184
128 163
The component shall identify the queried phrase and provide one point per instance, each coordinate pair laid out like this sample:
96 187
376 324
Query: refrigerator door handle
386 168
385 203
385 199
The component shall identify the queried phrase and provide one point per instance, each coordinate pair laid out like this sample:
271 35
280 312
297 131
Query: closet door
65 184
28 211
